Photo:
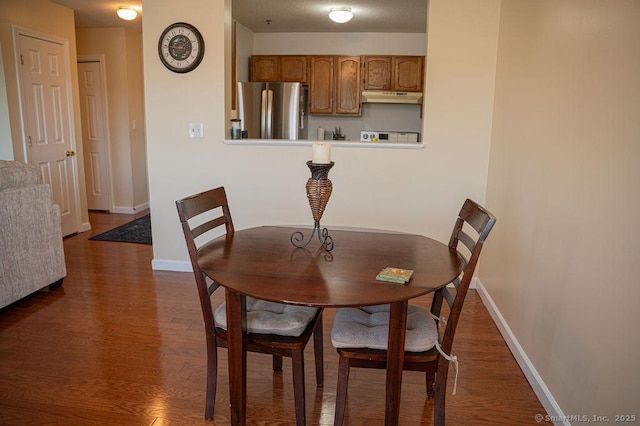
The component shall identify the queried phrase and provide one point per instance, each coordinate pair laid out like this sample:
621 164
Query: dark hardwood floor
121 344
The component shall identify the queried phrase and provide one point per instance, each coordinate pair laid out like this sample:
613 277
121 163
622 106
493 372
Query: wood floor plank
122 344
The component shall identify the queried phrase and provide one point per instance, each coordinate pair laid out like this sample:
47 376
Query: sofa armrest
30 242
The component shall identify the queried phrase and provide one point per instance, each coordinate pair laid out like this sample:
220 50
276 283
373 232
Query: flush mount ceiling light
127 13
340 15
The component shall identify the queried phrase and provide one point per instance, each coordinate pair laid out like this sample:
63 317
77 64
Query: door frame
17 31
101 59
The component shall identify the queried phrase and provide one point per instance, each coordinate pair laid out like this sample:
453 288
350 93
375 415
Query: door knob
70 153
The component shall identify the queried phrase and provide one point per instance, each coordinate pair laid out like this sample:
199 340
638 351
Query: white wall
561 266
407 190
138 148
340 44
244 50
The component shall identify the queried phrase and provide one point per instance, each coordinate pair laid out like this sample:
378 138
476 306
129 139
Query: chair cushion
368 327
270 318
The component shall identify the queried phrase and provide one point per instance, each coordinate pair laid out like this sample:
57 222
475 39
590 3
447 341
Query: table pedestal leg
237 353
395 360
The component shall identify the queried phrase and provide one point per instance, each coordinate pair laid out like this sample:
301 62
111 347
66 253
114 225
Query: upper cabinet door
265 68
348 85
294 68
321 85
377 73
407 73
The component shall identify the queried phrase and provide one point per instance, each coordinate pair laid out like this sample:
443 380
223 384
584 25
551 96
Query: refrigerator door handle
269 115
263 115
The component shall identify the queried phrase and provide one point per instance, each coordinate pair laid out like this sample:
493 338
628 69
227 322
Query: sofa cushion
14 174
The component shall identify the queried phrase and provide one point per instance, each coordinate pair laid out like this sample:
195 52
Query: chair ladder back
208 226
448 296
191 245
191 207
195 205
478 217
482 222
467 240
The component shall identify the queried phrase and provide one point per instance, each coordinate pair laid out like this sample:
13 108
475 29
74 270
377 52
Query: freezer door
250 108
286 110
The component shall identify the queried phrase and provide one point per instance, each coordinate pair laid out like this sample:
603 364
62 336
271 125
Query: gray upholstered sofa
31 251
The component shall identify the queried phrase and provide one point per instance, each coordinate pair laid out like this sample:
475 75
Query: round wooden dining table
263 263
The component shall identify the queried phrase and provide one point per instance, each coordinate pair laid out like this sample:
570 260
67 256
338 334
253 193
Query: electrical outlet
196 131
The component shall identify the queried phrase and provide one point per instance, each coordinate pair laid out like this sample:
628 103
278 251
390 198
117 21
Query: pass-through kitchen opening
345 98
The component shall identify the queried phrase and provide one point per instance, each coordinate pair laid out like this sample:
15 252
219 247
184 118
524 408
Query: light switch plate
196 131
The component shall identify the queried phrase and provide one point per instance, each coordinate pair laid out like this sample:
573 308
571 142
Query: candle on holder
319 188
321 153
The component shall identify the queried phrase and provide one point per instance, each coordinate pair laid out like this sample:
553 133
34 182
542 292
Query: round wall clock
181 47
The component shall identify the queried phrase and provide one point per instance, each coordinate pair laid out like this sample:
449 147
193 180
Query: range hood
384 97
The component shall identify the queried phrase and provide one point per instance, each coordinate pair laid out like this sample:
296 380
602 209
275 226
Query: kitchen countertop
350 144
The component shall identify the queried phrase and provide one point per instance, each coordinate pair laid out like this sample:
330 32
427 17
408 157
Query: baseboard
130 210
123 210
474 283
140 207
171 265
541 390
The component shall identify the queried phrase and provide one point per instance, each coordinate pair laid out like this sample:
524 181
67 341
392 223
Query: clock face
181 47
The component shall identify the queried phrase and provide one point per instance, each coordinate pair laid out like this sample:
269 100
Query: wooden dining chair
272 328
360 334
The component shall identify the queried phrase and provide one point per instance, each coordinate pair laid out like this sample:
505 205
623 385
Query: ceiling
102 13
265 16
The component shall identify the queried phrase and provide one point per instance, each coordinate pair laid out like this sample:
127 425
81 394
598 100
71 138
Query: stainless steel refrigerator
273 110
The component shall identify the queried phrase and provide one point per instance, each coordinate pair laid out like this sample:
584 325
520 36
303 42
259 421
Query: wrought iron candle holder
319 189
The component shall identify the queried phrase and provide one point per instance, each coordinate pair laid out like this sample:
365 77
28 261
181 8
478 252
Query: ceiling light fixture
340 15
127 13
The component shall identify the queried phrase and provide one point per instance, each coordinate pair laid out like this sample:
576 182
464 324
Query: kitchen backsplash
389 117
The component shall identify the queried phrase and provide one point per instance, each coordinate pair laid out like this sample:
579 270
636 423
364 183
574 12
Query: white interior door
45 89
95 137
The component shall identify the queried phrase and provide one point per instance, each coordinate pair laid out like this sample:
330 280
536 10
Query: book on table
395 275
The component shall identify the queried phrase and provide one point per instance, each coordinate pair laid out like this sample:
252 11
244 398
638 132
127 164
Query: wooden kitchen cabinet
294 68
348 85
269 68
334 85
396 73
407 73
321 84
265 68
377 72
